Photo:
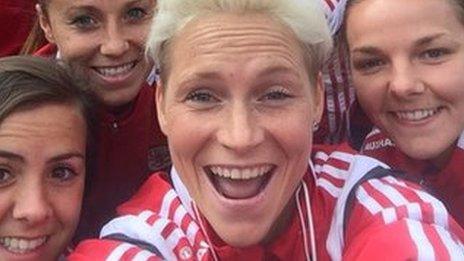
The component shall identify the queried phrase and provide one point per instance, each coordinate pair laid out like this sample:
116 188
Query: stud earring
315 126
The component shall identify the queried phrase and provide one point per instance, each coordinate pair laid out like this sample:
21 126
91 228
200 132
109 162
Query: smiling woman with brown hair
239 94
408 70
45 145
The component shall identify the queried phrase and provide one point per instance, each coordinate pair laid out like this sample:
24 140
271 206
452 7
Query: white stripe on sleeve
329 187
334 172
367 201
455 250
440 214
167 200
389 192
425 249
143 256
119 251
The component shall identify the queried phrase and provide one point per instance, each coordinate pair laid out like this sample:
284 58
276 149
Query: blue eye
84 22
136 13
276 95
6 177
63 174
200 97
367 65
434 54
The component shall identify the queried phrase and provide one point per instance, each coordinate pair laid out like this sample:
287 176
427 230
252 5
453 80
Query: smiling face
237 108
42 170
106 38
408 69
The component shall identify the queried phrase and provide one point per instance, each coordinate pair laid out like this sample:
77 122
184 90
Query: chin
242 236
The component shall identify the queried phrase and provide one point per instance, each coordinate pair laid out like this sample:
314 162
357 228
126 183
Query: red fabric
368 232
16 20
447 183
129 148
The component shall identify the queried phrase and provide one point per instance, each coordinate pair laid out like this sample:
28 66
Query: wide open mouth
18 245
239 183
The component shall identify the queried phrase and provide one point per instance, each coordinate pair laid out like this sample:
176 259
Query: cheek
67 204
76 48
6 202
140 35
369 93
293 132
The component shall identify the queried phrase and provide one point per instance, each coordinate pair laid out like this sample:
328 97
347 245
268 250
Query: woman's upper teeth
115 70
240 173
21 245
416 115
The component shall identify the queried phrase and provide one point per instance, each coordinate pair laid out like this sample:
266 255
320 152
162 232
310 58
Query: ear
160 106
44 22
319 98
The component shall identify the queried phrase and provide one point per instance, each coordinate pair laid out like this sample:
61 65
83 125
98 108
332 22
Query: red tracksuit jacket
447 183
387 219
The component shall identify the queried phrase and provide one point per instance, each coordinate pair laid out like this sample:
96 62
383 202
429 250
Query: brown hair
28 81
36 37
458 4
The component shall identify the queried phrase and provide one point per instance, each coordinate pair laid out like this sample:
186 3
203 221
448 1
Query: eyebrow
67 156
366 50
419 42
11 156
428 39
274 69
17 157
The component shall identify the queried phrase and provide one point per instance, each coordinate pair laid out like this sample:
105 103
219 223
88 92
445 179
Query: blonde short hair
304 17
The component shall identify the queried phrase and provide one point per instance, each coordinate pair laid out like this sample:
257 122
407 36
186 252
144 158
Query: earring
315 126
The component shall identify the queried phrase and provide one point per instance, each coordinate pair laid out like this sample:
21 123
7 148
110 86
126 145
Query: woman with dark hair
408 71
45 144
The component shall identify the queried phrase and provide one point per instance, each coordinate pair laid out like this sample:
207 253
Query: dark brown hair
36 37
458 4
28 81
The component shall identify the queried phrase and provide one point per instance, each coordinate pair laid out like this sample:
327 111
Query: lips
416 115
239 183
19 245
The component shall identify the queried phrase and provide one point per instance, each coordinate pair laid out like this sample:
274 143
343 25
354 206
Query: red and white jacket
446 183
343 120
352 218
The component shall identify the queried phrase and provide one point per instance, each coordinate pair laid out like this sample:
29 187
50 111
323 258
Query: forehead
399 16
235 38
94 4
53 121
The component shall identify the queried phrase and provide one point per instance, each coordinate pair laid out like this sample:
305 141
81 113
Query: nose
31 203
405 82
241 130
115 42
